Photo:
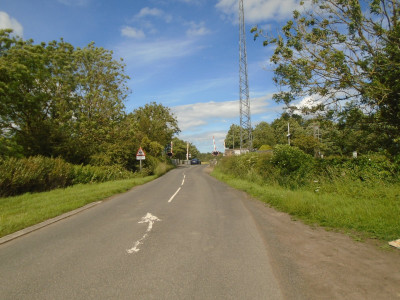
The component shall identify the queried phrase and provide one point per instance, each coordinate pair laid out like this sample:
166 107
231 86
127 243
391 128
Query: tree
25 101
263 134
180 149
157 122
336 51
56 100
280 127
232 139
100 92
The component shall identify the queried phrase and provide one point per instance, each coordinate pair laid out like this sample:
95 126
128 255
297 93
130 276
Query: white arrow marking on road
149 218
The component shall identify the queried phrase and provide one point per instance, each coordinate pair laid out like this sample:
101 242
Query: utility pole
245 118
233 139
317 137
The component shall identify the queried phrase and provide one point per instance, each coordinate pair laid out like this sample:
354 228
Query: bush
294 166
369 168
38 174
33 174
91 174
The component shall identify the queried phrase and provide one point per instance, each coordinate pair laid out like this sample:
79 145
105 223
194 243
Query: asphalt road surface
182 236
188 236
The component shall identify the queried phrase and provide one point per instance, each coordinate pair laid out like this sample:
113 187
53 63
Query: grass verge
366 216
22 211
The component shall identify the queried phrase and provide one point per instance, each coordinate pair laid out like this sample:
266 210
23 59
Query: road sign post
140 155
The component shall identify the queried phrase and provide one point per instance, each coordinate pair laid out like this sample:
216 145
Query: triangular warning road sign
140 152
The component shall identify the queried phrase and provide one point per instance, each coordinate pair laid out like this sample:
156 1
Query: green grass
22 211
371 212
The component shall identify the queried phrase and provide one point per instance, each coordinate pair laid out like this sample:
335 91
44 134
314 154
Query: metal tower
245 120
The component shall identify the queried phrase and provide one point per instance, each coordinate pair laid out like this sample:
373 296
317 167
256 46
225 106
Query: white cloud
146 11
75 2
197 29
204 140
153 12
199 122
198 114
259 10
143 53
7 22
132 32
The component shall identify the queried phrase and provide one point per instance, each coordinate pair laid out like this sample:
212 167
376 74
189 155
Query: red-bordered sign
140 154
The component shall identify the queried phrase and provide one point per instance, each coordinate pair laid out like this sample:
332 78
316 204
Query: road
204 245
188 236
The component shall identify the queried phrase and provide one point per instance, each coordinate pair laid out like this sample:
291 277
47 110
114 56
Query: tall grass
37 174
361 195
373 212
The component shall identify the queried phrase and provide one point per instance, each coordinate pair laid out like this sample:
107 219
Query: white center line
173 196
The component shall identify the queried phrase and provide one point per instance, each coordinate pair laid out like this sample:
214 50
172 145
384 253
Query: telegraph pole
245 119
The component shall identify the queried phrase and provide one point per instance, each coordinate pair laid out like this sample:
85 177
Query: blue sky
181 53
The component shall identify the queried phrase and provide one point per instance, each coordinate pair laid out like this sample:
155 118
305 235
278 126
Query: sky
183 54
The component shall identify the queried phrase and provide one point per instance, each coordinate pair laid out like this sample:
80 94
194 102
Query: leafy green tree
232 139
180 149
263 134
357 132
56 100
100 93
156 121
24 100
334 51
280 127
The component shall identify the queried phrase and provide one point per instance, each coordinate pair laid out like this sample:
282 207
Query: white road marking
148 218
183 181
173 196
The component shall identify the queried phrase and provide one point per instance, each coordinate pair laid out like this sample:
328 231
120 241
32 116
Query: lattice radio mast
245 119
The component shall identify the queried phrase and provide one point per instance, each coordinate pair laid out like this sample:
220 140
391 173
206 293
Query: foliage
294 166
290 167
265 148
156 122
372 211
350 194
205 157
232 139
56 100
334 51
180 149
280 127
263 134
60 101
36 174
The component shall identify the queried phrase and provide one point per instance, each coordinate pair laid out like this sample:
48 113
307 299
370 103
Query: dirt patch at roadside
313 263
